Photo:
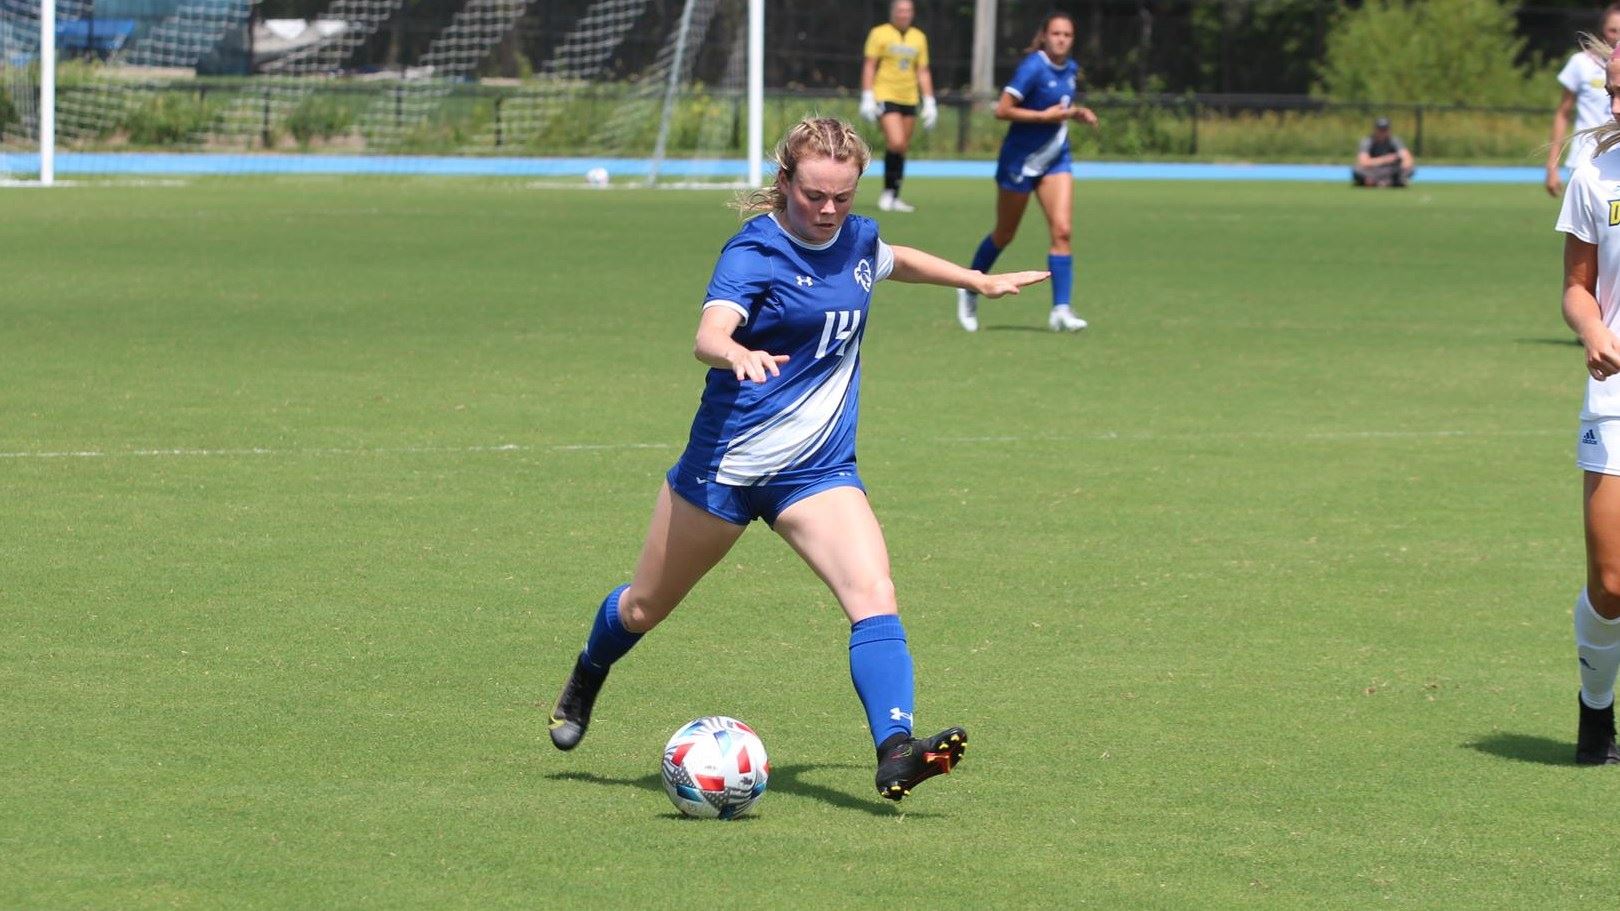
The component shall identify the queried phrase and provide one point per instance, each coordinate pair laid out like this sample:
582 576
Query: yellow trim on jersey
899 57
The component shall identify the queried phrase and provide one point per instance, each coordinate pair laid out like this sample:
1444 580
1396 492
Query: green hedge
8 111
536 118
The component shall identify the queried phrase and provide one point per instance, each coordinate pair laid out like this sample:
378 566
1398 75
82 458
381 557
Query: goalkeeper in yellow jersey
894 79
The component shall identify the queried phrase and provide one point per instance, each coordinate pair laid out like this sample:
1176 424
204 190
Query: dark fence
1230 46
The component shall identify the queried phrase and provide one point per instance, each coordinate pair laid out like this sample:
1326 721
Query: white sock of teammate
1597 642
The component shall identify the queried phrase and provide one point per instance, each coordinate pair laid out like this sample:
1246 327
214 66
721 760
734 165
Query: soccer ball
715 767
597 177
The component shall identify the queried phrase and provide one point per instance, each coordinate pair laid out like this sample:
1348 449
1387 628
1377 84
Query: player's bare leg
1010 206
1056 195
839 537
897 129
683 543
1597 622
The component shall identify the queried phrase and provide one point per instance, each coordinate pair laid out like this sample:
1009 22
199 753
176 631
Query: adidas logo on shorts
1589 438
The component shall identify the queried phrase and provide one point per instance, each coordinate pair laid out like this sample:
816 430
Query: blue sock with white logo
880 666
1061 265
609 640
985 256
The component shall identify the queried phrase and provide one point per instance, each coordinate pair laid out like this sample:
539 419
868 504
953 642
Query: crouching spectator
1382 159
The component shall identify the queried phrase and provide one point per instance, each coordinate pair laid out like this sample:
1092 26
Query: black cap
1381 123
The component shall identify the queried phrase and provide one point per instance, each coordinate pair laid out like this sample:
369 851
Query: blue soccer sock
985 256
609 640
880 666
1061 265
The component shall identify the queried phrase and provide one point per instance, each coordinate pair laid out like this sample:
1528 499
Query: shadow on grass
1565 341
1527 748
785 779
1015 329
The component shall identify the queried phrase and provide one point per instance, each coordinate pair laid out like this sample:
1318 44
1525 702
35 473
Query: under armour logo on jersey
896 715
863 274
837 331
804 280
1589 437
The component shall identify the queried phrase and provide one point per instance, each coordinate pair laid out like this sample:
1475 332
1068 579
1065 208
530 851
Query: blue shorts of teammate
1010 169
741 505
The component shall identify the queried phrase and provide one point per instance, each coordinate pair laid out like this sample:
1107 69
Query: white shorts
1598 447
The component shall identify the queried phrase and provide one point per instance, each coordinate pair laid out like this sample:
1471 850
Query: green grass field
1256 594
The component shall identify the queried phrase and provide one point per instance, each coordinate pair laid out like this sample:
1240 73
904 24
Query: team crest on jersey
863 274
1614 212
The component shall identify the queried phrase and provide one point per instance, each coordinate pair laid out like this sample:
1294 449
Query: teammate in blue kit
774 438
1038 102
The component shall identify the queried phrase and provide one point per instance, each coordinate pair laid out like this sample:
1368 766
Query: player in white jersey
774 438
1590 221
1584 96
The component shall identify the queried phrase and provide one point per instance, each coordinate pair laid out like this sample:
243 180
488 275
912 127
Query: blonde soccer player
1591 304
774 438
894 77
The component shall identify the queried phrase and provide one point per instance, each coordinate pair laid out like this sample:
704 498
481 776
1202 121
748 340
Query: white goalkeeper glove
930 112
869 106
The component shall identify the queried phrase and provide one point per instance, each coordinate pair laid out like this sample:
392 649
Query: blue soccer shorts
1010 170
741 505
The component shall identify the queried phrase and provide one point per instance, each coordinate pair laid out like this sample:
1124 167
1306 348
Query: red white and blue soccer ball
715 767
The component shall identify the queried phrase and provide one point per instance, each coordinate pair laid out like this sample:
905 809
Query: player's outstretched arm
913 265
716 347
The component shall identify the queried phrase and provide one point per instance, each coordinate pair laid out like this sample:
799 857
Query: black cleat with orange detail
912 762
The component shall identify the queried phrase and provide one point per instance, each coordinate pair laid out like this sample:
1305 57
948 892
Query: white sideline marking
379 450
255 451
1148 436
128 182
596 447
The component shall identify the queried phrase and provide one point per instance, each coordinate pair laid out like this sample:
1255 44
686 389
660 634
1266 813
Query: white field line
599 447
1326 435
332 451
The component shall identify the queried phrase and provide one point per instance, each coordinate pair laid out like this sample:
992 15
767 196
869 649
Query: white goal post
47 92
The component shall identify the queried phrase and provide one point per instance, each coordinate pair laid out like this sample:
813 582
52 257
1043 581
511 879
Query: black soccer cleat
1594 744
572 714
912 762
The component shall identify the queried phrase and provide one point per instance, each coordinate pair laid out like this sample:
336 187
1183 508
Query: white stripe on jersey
885 263
1036 163
793 433
729 305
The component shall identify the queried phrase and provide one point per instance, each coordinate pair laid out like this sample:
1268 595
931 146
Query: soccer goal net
646 92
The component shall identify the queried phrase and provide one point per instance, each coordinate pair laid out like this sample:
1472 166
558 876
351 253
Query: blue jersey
810 303
1038 84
